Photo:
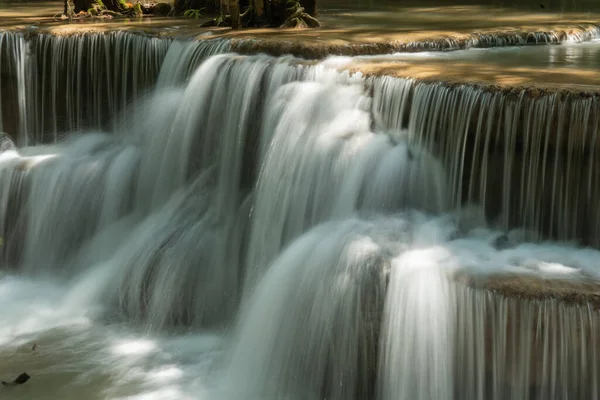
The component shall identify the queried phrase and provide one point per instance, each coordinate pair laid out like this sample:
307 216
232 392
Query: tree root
284 15
98 12
300 19
294 16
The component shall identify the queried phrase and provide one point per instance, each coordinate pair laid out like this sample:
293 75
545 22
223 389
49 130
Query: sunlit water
79 354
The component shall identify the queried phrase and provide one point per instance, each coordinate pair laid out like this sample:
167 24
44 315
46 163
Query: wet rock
571 292
19 380
502 242
162 10
6 142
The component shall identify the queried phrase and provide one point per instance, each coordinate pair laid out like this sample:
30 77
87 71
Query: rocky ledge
583 291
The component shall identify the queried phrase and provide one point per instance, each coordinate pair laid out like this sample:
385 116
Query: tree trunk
82 5
310 6
259 11
234 11
271 13
259 7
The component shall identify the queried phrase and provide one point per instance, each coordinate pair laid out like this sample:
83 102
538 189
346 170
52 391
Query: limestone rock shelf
583 291
347 31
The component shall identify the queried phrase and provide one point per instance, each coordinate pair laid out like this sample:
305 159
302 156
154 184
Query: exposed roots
97 11
300 19
280 13
283 15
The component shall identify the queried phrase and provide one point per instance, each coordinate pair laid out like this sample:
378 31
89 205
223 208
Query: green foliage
97 7
123 5
196 13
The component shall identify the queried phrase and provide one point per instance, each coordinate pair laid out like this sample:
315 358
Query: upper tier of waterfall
523 138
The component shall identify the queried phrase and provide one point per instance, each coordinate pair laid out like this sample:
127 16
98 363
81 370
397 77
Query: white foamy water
79 354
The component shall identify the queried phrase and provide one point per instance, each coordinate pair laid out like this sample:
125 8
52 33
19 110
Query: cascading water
529 159
82 81
304 212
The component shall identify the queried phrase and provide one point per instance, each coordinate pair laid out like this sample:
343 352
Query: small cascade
324 163
374 308
81 81
13 84
140 179
184 57
580 34
311 329
525 349
528 157
418 328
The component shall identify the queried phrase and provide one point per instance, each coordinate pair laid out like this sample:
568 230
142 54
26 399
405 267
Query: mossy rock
162 9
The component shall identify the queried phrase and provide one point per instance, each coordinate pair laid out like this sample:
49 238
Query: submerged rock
6 142
502 242
19 380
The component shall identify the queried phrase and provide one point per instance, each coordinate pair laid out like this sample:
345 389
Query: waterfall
323 295
526 346
528 157
207 166
141 180
83 81
371 307
324 163
43 100
13 82
322 221
418 332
